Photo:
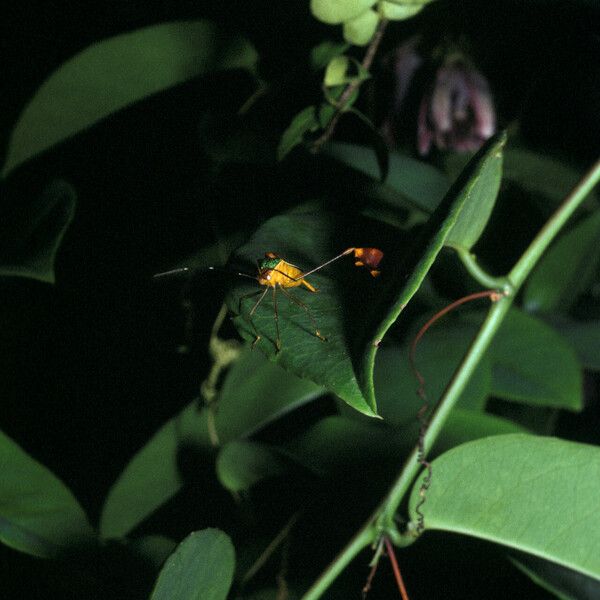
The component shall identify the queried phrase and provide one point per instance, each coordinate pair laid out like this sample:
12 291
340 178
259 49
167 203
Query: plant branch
382 520
363 538
472 266
544 238
351 87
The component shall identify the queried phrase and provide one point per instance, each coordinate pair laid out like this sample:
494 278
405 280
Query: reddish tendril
494 296
390 551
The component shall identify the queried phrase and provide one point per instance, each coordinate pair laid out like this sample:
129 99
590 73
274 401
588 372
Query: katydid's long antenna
344 253
223 270
171 272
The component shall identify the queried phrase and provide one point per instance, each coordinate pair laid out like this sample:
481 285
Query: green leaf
360 30
152 476
584 337
305 121
354 324
241 464
541 174
535 494
533 364
30 235
38 514
337 444
201 568
564 583
322 54
566 270
422 185
337 309
115 73
438 355
423 255
398 12
257 392
342 70
481 199
152 549
254 393
465 425
338 11
335 73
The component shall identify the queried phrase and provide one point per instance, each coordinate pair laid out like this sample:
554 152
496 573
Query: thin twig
268 551
374 564
396 569
352 86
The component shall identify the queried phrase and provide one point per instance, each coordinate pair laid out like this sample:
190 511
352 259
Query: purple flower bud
458 112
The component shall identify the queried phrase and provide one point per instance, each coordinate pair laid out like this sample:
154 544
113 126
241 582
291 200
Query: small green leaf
30 235
343 70
241 464
398 12
335 73
481 198
322 54
535 494
201 568
115 73
254 393
38 514
328 109
422 185
566 270
533 364
338 11
304 122
360 30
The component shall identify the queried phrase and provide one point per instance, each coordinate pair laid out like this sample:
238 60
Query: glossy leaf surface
532 363
254 393
117 72
38 514
201 568
566 270
535 494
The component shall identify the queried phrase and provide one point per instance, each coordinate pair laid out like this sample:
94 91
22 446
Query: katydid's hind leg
276 316
307 311
257 336
244 297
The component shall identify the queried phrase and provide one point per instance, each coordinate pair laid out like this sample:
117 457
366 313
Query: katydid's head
269 262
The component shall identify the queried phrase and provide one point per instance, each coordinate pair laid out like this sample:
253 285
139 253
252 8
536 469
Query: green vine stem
382 520
478 274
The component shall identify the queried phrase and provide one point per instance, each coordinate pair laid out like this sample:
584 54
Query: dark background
89 368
